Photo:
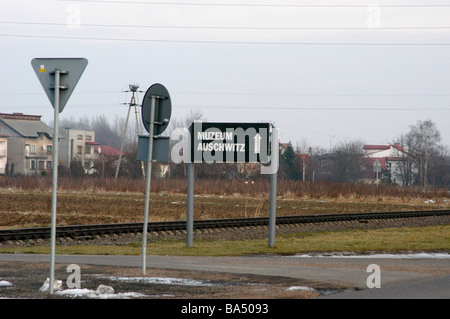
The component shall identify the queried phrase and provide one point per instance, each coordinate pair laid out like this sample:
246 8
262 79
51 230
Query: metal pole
190 205
54 180
272 209
147 186
123 142
273 187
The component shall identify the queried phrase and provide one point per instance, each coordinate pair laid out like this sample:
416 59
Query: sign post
49 72
233 143
147 185
156 112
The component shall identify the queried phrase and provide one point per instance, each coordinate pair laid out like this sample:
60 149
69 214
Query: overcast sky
321 73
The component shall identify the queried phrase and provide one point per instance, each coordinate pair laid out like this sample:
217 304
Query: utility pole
133 88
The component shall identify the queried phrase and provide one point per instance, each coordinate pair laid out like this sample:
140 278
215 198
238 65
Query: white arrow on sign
257 143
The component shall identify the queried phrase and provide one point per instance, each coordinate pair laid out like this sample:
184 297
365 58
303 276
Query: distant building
386 162
3 153
29 143
80 146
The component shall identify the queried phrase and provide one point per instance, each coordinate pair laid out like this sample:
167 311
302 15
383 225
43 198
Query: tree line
421 160
425 160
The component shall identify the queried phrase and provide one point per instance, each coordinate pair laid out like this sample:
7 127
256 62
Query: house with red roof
386 161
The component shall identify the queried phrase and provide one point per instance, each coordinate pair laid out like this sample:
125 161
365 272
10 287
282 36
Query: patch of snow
393 256
102 292
303 288
4 283
160 280
56 287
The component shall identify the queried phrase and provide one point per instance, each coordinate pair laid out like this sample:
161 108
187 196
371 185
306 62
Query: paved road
399 278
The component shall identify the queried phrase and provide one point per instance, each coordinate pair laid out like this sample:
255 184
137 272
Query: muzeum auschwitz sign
230 142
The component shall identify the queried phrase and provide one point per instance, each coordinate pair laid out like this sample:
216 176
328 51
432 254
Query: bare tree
425 139
439 172
404 170
349 164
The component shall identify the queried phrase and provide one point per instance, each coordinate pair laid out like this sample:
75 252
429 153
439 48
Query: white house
388 158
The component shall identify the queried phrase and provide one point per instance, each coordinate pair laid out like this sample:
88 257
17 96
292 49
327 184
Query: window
88 137
87 150
49 164
80 137
32 164
33 148
49 149
80 149
41 165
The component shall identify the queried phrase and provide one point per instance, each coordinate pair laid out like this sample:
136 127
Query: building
386 162
29 143
79 146
3 153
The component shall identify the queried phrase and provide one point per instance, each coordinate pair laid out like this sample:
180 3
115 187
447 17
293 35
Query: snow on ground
303 288
392 256
107 292
102 292
159 280
4 283
95 294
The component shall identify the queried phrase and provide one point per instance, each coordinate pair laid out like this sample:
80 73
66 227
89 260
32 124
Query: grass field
26 202
436 238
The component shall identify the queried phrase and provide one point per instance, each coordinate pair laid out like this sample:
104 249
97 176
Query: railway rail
101 229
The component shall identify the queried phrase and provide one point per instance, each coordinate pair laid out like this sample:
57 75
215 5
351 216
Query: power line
314 94
227 27
225 107
226 42
263 94
259 4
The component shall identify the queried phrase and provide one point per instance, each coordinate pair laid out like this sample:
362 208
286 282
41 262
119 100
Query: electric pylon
134 89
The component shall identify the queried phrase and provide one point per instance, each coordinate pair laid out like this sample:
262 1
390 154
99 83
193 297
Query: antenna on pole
134 89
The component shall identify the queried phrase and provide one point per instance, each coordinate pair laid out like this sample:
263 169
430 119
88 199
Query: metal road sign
230 142
58 77
160 152
163 108
70 69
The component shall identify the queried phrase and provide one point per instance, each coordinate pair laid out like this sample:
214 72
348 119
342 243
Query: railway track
101 229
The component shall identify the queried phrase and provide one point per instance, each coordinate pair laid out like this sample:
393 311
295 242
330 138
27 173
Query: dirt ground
33 208
28 277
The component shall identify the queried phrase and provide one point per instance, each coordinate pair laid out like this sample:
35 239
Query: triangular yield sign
71 71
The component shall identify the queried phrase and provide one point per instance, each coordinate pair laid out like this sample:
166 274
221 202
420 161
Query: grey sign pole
155 117
190 205
272 209
147 186
54 180
58 92
273 187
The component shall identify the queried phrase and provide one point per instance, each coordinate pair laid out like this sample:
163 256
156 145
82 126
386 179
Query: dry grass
434 238
259 186
26 201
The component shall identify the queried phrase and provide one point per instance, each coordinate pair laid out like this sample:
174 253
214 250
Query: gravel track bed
237 233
